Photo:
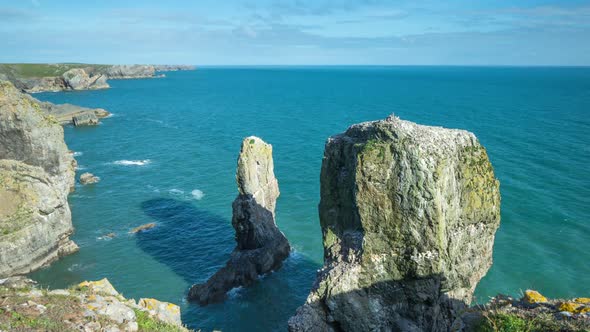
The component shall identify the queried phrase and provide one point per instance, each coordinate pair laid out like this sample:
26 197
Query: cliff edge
36 176
408 216
261 246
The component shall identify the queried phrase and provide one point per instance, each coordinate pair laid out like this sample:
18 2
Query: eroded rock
408 216
36 175
89 178
261 246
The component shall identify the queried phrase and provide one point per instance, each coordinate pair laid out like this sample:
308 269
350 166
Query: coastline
557 306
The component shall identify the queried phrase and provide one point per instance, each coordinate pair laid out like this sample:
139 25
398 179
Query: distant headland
43 77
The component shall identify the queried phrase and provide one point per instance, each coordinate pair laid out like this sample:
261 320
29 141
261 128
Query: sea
168 155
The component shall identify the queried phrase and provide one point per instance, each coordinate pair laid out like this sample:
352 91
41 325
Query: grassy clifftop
29 70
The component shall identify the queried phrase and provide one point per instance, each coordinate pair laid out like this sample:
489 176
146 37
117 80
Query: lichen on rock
36 176
408 216
261 247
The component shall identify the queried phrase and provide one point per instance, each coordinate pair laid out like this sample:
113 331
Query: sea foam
197 194
133 162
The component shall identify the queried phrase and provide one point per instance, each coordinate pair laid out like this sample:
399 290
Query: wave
132 162
176 191
197 194
77 153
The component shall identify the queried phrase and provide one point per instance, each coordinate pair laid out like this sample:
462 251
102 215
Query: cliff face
79 79
408 216
130 71
261 246
36 175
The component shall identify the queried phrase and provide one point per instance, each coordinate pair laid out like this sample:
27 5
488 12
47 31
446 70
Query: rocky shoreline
64 77
408 216
88 306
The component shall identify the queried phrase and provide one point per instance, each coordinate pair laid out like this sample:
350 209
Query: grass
148 324
29 70
508 322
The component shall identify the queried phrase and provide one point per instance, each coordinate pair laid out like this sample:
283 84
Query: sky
297 32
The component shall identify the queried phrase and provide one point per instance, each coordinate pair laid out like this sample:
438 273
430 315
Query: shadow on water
191 241
195 243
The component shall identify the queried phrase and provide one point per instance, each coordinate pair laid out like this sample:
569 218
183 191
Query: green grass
147 323
507 322
29 70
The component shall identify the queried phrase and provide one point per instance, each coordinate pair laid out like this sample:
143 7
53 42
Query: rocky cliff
64 113
33 78
261 247
408 216
88 306
130 71
36 175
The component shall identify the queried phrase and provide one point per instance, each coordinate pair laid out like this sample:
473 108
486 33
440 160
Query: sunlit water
168 155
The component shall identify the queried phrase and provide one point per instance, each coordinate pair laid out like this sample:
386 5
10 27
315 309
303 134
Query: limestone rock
261 246
142 228
408 216
130 71
36 175
101 286
89 178
86 119
164 311
64 113
78 79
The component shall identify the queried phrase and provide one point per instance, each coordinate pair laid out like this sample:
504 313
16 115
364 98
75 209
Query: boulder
85 119
408 216
142 228
261 247
164 311
88 178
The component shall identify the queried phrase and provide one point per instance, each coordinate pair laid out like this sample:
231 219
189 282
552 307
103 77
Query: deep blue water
534 122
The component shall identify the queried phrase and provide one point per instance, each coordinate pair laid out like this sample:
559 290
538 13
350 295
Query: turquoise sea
168 155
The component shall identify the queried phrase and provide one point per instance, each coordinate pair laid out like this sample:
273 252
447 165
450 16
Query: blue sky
305 32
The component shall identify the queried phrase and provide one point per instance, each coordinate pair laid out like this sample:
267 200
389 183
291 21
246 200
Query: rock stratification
36 175
130 71
261 246
408 216
79 79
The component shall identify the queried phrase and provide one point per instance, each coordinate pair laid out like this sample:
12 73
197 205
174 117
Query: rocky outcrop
32 78
130 71
65 113
88 178
78 79
36 175
88 306
532 312
86 119
261 247
408 216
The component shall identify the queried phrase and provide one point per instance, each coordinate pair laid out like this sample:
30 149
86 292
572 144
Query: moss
148 323
252 141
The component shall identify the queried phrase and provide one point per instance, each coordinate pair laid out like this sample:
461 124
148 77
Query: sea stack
261 246
36 176
408 216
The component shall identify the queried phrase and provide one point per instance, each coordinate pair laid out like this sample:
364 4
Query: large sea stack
36 175
261 246
408 216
